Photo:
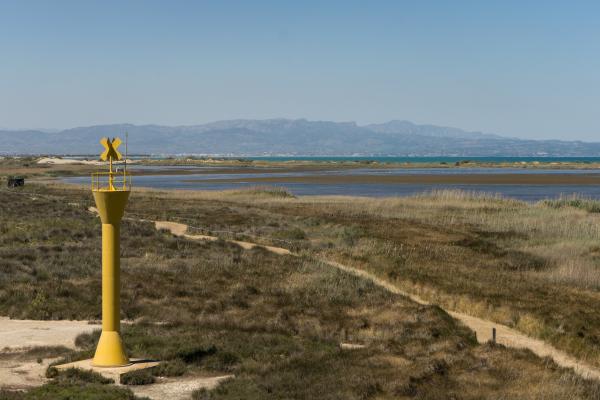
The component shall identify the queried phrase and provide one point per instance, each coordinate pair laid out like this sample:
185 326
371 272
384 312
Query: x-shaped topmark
110 147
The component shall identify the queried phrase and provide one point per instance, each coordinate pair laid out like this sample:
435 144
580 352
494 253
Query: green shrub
87 340
140 377
78 392
51 372
10 395
222 361
74 356
350 234
194 355
174 367
76 375
201 394
291 234
587 204
265 191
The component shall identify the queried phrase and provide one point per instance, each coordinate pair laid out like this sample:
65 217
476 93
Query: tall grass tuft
265 191
574 201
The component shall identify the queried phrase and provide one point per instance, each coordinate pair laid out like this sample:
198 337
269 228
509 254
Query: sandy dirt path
16 336
179 229
482 328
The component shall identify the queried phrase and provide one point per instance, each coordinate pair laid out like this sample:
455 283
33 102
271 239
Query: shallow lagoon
202 181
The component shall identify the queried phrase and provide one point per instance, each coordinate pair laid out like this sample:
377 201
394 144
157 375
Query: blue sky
518 68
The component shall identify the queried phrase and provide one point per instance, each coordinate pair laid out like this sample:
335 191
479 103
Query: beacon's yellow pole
111 204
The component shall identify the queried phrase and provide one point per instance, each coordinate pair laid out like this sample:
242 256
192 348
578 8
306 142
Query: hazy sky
523 68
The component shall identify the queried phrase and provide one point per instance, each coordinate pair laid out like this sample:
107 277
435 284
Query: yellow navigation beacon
111 191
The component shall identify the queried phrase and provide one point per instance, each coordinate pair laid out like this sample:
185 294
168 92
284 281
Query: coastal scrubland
276 322
534 267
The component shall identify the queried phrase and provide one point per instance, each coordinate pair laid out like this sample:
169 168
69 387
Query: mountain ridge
292 137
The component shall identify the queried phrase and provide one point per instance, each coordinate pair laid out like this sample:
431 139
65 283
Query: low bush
58 391
291 234
174 367
140 377
587 204
11 395
265 191
350 234
76 375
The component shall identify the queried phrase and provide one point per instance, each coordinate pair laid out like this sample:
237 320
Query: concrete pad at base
110 372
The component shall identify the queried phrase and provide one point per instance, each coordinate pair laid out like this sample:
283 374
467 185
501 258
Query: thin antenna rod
125 172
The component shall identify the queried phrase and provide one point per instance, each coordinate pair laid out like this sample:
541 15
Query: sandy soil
65 161
62 161
19 334
22 374
16 336
180 230
351 346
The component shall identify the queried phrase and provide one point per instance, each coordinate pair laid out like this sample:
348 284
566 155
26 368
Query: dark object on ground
15 181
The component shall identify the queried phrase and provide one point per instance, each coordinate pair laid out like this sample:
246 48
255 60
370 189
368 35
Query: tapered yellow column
111 205
111 202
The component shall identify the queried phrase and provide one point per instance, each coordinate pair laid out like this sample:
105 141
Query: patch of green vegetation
141 377
38 353
76 375
350 234
73 384
265 191
291 234
11 395
589 205
58 391
175 367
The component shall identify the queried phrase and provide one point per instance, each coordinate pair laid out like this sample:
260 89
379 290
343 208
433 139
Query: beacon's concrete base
113 373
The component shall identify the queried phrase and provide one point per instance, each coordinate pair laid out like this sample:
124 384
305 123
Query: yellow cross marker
110 147
110 153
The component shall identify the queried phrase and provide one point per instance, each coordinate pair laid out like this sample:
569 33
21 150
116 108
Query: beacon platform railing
109 181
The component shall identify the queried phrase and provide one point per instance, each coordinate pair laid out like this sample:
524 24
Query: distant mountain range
289 137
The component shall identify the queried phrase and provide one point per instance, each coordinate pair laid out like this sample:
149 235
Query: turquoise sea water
380 159
394 159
